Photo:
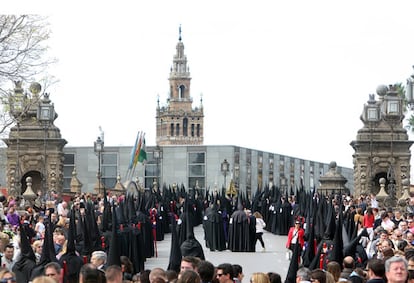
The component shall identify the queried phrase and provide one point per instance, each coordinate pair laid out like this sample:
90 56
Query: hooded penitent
48 251
175 255
114 256
24 266
294 265
214 229
239 233
190 247
70 261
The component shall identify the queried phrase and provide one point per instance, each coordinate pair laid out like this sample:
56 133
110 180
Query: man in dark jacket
376 271
348 265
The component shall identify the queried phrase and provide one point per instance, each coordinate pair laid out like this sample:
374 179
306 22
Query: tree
23 58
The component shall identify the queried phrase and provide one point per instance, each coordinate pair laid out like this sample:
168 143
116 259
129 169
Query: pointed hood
239 203
330 222
87 242
70 261
24 266
132 216
190 247
351 248
337 251
310 251
105 214
93 229
189 220
48 252
293 266
70 248
114 257
320 219
175 255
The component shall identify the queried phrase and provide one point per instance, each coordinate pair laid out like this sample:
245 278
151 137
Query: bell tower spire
179 123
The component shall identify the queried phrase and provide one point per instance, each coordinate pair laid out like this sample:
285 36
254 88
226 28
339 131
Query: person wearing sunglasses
7 276
224 273
296 236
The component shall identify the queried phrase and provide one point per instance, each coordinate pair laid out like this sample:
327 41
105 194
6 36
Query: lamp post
45 115
225 168
157 157
409 93
98 148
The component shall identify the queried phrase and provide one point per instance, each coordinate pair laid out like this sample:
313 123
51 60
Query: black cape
239 232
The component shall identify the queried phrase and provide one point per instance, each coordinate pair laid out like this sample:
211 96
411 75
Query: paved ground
273 259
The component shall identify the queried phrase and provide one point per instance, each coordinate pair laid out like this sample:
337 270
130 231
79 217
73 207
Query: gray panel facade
174 167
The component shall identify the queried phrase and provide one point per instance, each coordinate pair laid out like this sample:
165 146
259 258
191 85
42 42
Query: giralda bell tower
178 123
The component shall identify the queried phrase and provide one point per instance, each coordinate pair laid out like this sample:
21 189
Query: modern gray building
191 166
197 166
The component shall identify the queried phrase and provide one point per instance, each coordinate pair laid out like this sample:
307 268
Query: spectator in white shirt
7 260
260 225
62 209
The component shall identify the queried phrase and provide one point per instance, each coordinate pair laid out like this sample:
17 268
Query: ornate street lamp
98 147
409 93
158 157
45 115
225 168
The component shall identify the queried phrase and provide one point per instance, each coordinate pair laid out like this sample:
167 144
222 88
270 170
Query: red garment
369 221
301 234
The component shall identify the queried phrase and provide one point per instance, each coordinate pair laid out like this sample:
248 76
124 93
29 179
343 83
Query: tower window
198 130
181 91
192 130
185 127
172 129
177 130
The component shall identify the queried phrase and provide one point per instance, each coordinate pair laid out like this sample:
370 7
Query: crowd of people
107 239
55 229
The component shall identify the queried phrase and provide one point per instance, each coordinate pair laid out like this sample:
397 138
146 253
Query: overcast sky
289 77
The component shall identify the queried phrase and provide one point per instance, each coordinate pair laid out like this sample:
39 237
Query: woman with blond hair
37 249
6 275
259 277
329 277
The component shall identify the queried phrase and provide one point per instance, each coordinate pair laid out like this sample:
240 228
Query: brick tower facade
178 123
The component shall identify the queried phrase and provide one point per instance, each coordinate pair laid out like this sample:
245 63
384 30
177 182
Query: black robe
252 236
27 262
239 232
214 230
70 261
285 218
